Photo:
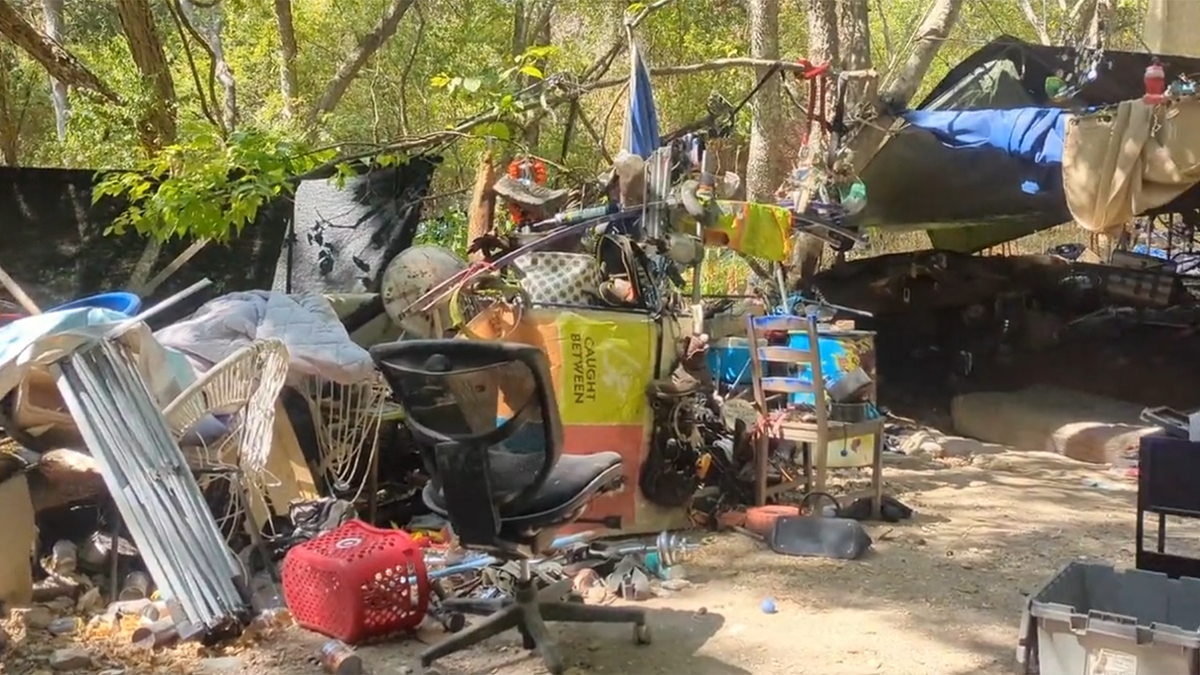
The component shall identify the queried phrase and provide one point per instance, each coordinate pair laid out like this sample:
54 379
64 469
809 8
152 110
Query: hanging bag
625 268
558 278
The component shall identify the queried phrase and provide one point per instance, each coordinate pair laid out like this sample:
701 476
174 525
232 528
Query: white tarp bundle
317 342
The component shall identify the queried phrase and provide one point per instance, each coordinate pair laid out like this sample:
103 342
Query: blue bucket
128 304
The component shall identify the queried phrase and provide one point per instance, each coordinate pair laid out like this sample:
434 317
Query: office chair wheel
641 634
527 640
555 664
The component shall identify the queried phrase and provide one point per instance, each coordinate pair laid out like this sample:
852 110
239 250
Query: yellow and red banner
600 362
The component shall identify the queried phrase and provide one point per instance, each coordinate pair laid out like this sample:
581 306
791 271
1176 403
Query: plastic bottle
271 619
338 658
136 587
67 625
155 611
63 557
1156 83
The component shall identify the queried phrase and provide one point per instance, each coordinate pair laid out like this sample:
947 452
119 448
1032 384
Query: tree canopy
200 111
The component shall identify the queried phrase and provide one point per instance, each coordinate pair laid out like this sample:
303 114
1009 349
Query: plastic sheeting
1031 134
640 135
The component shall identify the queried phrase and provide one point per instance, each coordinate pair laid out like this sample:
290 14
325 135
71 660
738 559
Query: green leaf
496 130
471 84
532 71
540 52
440 81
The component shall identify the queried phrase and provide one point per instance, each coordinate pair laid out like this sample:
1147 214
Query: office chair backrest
486 419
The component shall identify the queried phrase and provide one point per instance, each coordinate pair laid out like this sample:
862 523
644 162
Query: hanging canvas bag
558 278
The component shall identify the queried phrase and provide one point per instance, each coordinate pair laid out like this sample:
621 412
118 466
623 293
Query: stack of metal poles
152 485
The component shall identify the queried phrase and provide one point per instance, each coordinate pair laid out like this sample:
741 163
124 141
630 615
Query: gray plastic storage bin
1095 620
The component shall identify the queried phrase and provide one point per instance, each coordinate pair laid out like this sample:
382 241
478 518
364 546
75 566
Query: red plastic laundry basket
357 583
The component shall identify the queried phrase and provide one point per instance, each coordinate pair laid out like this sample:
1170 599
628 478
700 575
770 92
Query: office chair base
528 613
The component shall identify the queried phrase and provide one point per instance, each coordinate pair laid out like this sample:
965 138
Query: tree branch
600 65
888 49
213 42
406 73
930 35
9 136
175 9
58 62
52 11
724 64
463 128
1039 25
145 46
336 88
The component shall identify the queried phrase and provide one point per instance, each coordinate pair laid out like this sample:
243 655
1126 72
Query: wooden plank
18 293
786 385
172 267
779 354
287 465
16 578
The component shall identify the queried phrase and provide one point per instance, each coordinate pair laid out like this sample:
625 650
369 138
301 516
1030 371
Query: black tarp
970 199
53 240
346 235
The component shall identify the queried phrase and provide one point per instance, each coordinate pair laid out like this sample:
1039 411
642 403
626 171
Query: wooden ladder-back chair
785 422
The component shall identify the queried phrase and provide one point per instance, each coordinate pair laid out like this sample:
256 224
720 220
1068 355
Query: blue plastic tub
128 304
729 361
841 352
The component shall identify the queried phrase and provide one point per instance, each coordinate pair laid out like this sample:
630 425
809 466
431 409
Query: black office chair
485 417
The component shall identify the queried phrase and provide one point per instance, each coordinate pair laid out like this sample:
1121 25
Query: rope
818 87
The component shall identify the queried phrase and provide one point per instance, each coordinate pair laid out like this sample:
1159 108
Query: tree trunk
61 64
854 47
158 126
933 31
537 33
1101 11
209 22
53 11
823 47
520 30
10 110
336 88
766 126
288 86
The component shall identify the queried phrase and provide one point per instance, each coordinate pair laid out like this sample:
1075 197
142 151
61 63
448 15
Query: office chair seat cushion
573 481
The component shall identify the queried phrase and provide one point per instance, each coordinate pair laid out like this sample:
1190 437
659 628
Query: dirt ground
939 594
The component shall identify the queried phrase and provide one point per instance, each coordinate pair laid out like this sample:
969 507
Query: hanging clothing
757 230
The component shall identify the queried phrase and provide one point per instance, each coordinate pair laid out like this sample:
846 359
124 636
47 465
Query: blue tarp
1031 134
1034 135
641 119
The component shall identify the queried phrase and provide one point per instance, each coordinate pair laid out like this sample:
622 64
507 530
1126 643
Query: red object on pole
1156 83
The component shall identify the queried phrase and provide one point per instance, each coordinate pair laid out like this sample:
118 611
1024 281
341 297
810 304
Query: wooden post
18 293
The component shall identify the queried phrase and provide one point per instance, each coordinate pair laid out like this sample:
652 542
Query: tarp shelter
1000 176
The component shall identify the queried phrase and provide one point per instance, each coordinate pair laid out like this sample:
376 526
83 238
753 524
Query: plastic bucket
117 301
